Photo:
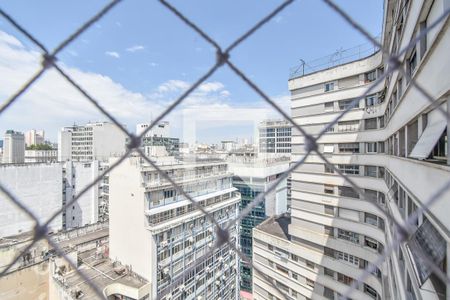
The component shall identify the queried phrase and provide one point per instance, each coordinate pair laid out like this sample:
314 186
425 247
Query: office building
159 135
161 235
13 147
275 136
394 145
252 177
34 137
93 141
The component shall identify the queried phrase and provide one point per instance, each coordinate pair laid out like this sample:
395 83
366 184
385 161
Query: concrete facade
160 234
93 141
393 145
13 147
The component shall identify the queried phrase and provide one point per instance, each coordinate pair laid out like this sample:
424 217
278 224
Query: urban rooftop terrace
337 58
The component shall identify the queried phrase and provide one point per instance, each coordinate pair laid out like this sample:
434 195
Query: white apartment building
393 145
44 188
34 137
93 141
40 156
13 147
161 235
275 136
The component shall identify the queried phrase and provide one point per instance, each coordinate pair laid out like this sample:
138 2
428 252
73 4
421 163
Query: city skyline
145 76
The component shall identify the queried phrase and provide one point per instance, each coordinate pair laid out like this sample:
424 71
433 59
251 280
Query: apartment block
161 235
275 136
393 144
159 135
13 147
41 156
34 137
252 178
93 141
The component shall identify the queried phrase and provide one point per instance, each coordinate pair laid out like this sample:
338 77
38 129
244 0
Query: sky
140 57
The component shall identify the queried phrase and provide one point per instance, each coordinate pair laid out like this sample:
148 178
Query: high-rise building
252 177
13 147
394 145
93 141
275 136
161 234
34 137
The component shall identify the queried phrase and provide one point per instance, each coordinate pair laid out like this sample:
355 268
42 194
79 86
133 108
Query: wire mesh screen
223 59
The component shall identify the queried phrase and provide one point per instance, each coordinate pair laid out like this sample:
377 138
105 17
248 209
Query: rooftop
337 58
108 276
277 226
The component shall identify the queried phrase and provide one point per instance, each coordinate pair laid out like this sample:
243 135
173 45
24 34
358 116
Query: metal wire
49 60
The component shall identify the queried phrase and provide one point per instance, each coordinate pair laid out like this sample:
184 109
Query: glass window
328 272
310 282
348 236
329 86
344 279
348 126
329 210
370 76
412 63
328 189
370 291
372 100
371 243
328 293
328 169
329 106
370 171
371 219
346 191
370 123
349 169
371 147
348 104
349 147
309 264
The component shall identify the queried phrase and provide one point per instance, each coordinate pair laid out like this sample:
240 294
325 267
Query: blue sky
144 56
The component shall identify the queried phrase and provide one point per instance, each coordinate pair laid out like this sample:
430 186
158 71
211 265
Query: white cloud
153 64
52 102
72 52
135 48
118 24
112 54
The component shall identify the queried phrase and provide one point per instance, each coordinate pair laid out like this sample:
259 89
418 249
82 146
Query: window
328 252
329 210
328 168
328 293
370 123
309 264
348 104
346 191
329 106
328 148
370 171
310 282
329 230
370 291
168 194
412 63
349 169
371 243
371 147
372 100
328 189
295 276
370 219
348 258
348 126
294 257
328 272
329 86
344 279
348 236
370 76
370 195
349 147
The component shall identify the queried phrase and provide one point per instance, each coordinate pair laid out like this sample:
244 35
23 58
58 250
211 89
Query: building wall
39 188
64 145
130 241
331 222
86 209
13 148
108 140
